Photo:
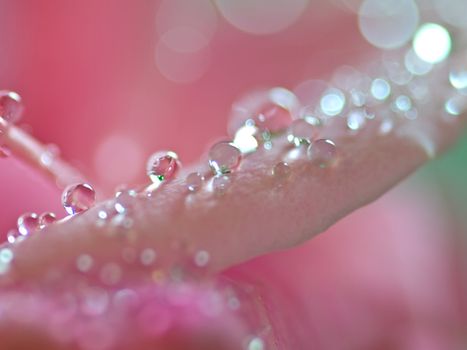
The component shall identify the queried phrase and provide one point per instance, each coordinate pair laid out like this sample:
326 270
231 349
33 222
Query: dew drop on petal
46 219
322 152
356 120
302 132
163 166
194 181
224 157
281 170
124 200
78 198
403 103
221 184
11 107
28 223
111 274
268 110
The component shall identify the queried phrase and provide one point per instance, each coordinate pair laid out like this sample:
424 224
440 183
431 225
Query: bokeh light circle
388 24
432 43
261 16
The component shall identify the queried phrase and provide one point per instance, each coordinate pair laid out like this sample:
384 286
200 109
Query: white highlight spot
432 43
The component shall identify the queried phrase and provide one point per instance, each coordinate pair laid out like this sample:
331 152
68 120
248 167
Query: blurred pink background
112 81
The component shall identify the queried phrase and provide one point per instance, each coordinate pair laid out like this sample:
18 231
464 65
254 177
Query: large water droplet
46 219
194 182
163 166
224 157
11 107
322 152
78 198
302 132
268 110
28 223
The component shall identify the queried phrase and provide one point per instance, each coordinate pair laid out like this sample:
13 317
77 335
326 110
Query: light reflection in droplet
388 24
403 103
245 139
432 43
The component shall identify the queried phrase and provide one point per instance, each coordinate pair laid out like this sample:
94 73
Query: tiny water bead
322 152
332 102
78 198
301 131
124 200
46 219
221 184
281 170
224 157
84 263
194 181
356 120
28 223
11 107
12 236
163 166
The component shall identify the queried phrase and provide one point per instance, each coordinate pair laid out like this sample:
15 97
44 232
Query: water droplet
332 102
322 152
124 200
415 65
12 236
84 263
387 125
202 258
458 78
281 170
356 120
224 157
148 256
49 154
221 184
302 132
6 257
5 151
163 166
256 344
28 223
46 219
194 182
380 89
11 107
78 198
268 110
